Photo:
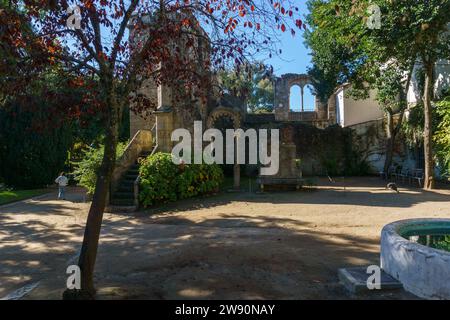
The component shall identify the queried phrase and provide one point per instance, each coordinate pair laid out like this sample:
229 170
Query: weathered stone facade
283 110
146 119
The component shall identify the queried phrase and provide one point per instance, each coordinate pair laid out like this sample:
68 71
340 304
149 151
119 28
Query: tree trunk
89 248
429 181
389 141
392 130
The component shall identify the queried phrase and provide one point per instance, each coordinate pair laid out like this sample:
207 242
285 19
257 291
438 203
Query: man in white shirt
62 182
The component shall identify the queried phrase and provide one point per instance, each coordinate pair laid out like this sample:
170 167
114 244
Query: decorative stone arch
283 87
236 117
219 112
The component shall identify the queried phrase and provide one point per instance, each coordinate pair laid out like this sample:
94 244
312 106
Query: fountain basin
423 270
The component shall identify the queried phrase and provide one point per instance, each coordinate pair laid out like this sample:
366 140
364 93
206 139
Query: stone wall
141 142
141 122
370 138
144 119
282 110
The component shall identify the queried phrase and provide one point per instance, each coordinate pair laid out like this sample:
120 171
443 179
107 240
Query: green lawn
17 195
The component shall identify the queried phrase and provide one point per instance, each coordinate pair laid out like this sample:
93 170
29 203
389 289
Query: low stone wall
370 139
141 142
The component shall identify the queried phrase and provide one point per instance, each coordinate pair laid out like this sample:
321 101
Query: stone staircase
124 196
124 188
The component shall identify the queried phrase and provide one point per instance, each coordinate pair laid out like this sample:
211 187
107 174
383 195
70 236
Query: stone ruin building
150 132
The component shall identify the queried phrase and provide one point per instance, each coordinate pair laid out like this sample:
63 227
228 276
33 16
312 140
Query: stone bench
262 181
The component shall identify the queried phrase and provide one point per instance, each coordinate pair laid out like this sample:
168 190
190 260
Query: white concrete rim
392 231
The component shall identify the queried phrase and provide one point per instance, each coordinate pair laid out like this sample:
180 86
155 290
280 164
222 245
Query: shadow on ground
235 253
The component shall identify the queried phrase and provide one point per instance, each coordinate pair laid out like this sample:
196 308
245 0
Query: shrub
31 156
164 181
86 169
442 135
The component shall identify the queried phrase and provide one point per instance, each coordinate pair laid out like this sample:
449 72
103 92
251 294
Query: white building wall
442 81
358 111
340 107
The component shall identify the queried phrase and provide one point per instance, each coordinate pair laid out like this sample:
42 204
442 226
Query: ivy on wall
331 151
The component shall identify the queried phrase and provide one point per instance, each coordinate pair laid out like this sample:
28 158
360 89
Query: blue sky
294 58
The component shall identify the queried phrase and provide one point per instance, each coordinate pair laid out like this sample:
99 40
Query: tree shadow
249 259
230 256
365 191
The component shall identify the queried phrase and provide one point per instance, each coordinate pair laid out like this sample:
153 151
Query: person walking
62 182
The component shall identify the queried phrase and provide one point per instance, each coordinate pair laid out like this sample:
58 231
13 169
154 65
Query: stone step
355 280
133 172
123 195
127 184
130 176
126 188
122 202
121 209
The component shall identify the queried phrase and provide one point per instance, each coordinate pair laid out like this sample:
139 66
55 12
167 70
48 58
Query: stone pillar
321 109
164 96
237 176
332 109
288 167
164 127
281 102
302 93
237 167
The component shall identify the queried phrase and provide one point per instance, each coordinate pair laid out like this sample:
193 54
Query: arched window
295 98
309 99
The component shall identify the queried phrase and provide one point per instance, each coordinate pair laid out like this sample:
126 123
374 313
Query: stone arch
236 117
295 98
286 83
283 87
234 114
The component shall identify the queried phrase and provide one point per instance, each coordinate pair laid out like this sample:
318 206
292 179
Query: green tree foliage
31 156
254 86
442 135
345 49
421 28
86 170
164 181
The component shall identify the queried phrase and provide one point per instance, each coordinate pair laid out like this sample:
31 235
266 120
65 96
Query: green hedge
32 150
442 135
164 181
86 170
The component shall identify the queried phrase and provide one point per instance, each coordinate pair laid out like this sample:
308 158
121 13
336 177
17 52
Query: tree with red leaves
232 31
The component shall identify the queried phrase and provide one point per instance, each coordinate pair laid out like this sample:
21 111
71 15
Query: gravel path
285 245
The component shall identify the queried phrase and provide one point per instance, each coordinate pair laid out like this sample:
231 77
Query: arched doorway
223 118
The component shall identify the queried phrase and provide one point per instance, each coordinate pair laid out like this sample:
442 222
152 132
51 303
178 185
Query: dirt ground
281 245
